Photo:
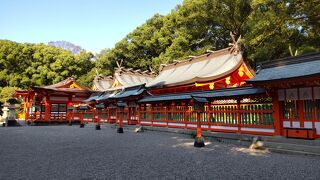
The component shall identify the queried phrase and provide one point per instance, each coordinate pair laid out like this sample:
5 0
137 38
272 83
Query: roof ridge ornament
190 58
119 64
151 70
296 53
209 51
176 62
235 45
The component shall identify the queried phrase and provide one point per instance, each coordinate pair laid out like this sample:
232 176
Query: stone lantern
10 107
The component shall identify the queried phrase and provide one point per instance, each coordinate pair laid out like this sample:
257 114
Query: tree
25 65
6 93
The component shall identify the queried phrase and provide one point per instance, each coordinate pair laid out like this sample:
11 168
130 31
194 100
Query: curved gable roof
131 78
102 83
65 84
207 67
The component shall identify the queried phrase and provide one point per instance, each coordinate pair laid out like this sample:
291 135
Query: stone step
310 142
292 147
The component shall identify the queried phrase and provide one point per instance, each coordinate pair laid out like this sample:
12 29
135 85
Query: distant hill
67 46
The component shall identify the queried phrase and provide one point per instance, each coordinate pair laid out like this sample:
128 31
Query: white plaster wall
191 125
257 129
162 123
224 127
296 124
145 122
286 124
317 126
308 124
176 124
204 126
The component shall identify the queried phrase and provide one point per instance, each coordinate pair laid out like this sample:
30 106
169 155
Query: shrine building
282 98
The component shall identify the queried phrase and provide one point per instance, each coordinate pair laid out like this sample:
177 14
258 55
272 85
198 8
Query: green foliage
267 28
25 65
6 93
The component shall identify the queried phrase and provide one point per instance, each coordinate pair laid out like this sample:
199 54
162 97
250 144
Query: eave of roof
130 92
65 90
66 82
284 69
93 97
228 92
106 95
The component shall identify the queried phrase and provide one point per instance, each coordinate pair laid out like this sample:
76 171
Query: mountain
67 46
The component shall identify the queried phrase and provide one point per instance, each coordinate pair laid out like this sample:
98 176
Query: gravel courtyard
68 152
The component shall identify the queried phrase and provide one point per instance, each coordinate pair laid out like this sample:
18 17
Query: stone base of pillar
120 130
199 142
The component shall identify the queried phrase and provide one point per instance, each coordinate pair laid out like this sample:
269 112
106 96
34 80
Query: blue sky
91 24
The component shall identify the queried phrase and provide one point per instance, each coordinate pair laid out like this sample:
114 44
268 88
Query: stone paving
68 152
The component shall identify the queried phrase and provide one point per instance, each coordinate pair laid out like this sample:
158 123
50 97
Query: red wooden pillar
121 119
277 122
152 114
239 115
129 116
198 107
81 118
209 114
199 140
167 114
94 115
301 113
120 129
27 109
186 116
199 129
98 123
314 111
109 115
68 115
117 115
47 113
139 114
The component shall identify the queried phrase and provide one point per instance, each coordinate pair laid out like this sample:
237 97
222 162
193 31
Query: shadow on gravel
248 151
188 142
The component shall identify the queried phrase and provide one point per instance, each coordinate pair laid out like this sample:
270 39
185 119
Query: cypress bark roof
130 92
122 78
228 92
66 84
129 78
102 83
207 67
288 68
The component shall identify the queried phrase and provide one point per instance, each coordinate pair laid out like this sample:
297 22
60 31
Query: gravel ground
68 152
